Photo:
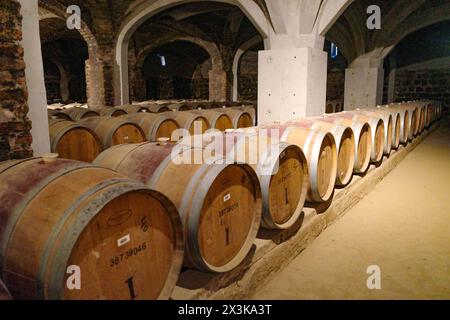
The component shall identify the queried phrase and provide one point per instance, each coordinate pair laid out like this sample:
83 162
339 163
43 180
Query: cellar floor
402 226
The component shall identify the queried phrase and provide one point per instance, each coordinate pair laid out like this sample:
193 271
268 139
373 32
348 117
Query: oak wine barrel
130 109
377 129
219 204
217 120
282 170
191 121
320 151
154 125
112 112
62 218
404 121
178 107
345 143
73 141
76 114
388 126
113 131
240 118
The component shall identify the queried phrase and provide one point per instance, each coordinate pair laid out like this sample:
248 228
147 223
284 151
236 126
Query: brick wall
423 84
15 137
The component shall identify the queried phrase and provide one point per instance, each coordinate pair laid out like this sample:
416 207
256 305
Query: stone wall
15 137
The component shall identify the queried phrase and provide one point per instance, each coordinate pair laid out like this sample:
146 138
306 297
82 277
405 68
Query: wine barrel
60 217
429 114
4 293
178 107
388 126
239 118
130 109
376 127
345 143
363 140
154 125
112 112
76 114
320 151
73 141
217 120
189 121
158 108
404 121
219 204
281 167
113 131
57 114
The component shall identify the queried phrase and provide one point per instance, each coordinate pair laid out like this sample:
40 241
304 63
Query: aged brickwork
15 137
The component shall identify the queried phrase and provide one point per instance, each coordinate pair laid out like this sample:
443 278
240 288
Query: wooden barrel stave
154 125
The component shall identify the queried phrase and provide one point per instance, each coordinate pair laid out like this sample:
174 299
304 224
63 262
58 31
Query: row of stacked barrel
81 133
123 227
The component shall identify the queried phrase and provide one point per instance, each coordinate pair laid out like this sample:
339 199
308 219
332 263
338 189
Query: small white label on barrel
124 240
226 197
282 155
126 138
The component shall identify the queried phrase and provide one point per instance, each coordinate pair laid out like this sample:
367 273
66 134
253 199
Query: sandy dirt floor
402 226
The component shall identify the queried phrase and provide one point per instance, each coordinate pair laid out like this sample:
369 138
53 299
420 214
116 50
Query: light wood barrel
320 151
388 126
76 114
158 108
154 125
112 112
345 143
216 119
73 141
282 170
62 216
178 107
415 119
114 131
189 121
219 204
250 109
240 118
405 121
58 114
377 129
4 293
363 140
130 109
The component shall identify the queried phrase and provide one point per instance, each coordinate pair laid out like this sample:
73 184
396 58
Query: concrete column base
291 83
363 87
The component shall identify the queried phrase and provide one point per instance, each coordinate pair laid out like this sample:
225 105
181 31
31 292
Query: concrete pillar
34 75
217 85
364 84
292 80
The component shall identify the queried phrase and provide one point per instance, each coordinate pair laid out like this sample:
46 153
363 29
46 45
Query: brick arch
209 46
140 11
95 86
